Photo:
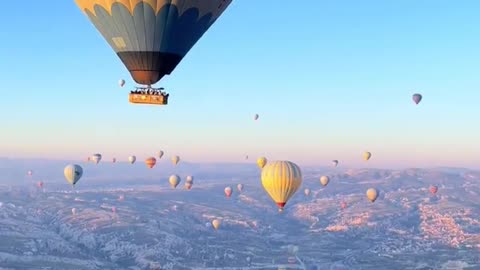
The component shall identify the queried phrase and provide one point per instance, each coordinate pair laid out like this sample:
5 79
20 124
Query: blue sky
329 79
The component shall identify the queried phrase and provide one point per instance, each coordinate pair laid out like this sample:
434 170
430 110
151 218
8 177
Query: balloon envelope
96 158
160 154
132 159
417 98
216 224
255 117
433 189
281 179
228 191
261 162
324 180
151 37
367 155
372 194
73 173
174 180
335 163
150 162
240 187
175 160
121 83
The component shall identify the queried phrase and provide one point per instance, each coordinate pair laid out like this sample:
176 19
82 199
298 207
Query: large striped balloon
152 36
281 179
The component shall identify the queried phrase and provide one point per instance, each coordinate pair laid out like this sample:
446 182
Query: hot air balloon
240 187
132 159
433 189
40 184
246 157
151 37
114 209
188 185
175 160
335 163
160 154
417 98
121 198
216 224
261 162
121 83
74 211
367 156
281 179
324 180
307 192
114 160
189 179
150 162
30 173
255 117
228 191
174 180
96 158
372 194
73 173
343 205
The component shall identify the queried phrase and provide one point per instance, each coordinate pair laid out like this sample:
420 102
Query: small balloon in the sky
96 158
74 211
216 224
417 98
324 180
240 187
150 162
367 156
307 192
188 185
256 117
114 160
228 192
343 205
121 198
30 173
114 209
121 82
160 154
372 194
40 184
189 179
73 173
261 162
335 163
433 189
175 160
132 159
174 180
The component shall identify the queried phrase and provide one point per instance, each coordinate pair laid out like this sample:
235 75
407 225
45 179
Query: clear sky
330 79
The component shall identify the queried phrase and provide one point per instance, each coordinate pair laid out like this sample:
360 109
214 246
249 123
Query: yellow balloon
367 155
175 160
261 162
174 180
216 224
372 194
281 179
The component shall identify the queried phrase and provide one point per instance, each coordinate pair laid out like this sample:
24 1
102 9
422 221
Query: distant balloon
73 173
189 179
114 209
246 157
114 160
367 155
324 180
96 158
417 98
256 117
188 185
228 191
132 159
175 160
281 179
343 205
40 184
433 189
30 173
216 224
174 180
121 198
121 83
335 163
150 162
372 194
307 192
240 187
261 162
160 154
74 211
